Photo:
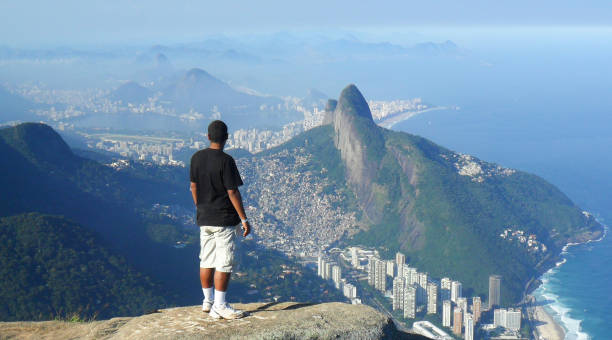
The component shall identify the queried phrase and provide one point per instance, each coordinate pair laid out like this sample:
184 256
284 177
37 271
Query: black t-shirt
215 172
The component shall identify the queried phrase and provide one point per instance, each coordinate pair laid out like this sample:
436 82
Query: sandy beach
546 327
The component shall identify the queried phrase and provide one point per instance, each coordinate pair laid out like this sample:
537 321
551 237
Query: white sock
208 292
219 298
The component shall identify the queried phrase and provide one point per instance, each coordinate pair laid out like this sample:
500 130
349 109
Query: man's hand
246 227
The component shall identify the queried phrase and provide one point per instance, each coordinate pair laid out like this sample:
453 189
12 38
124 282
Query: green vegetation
447 224
264 274
54 268
462 219
123 256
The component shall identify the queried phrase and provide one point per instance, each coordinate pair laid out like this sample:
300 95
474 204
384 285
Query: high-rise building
499 317
400 260
337 275
494 291
469 327
422 292
446 313
390 268
410 296
398 293
414 276
463 304
406 273
381 278
349 290
457 320
507 318
476 308
432 298
445 288
372 270
513 319
320 266
456 291
327 270
354 257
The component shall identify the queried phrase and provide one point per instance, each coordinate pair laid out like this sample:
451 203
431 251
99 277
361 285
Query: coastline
545 325
553 324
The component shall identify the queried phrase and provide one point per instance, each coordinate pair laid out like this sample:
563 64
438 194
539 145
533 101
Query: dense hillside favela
446 244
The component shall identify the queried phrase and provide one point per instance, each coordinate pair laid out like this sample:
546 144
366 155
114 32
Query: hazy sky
43 22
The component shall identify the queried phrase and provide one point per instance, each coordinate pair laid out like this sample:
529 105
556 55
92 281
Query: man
214 186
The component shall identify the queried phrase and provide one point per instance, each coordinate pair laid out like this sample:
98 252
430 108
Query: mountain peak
197 73
38 142
353 103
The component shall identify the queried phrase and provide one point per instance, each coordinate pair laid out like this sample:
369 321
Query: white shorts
217 247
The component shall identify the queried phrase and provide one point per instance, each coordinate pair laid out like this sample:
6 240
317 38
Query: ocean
544 112
576 292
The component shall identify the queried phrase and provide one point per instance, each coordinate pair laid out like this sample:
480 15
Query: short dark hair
217 131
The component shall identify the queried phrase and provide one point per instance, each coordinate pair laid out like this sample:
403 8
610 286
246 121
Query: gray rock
263 321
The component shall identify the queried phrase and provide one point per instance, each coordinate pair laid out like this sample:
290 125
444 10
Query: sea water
576 292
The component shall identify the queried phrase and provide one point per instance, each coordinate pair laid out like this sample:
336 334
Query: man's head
217 132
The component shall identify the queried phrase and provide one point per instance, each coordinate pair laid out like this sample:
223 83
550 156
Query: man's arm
194 192
236 198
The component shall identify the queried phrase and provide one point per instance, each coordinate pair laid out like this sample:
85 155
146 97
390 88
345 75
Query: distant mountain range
197 91
131 92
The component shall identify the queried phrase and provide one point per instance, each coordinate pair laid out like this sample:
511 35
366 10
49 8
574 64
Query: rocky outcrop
330 107
361 146
263 321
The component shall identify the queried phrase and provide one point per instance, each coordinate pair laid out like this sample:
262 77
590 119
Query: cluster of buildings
382 109
530 241
140 148
329 270
292 207
414 292
507 318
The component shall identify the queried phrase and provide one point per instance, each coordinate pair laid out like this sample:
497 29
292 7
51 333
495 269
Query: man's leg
206 278
207 264
224 259
221 280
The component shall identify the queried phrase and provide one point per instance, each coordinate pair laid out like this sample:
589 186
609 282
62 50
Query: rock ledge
264 321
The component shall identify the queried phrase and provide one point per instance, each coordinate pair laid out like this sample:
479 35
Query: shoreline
546 326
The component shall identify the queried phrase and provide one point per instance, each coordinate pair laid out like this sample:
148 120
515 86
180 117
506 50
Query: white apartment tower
513 319
390 268
456 291
337 275
398 293
469 327
354 257
445 288
446 313
372 270
422 294
432 298
320 266
327 270
380 277
410 295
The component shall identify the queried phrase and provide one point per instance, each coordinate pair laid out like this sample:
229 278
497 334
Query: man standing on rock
214 186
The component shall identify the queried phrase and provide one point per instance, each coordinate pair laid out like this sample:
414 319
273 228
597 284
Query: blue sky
42 22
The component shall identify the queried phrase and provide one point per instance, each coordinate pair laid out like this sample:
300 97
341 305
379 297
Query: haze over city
490 122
